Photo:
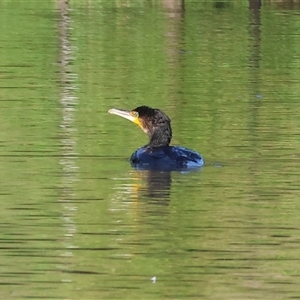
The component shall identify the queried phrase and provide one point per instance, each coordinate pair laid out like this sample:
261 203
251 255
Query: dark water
77 222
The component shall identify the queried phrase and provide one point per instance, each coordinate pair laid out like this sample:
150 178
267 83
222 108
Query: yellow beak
127 115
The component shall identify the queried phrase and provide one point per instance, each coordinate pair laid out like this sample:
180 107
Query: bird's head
147 118
152 121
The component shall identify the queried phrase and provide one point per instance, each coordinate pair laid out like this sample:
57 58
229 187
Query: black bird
158 154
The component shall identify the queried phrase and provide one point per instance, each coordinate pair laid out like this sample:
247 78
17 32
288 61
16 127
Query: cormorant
158 154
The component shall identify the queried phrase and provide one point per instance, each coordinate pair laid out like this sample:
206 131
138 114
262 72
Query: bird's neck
160 137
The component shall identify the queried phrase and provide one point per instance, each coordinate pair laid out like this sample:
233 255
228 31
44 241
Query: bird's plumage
165 158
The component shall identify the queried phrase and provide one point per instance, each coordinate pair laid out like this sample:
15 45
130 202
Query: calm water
77 222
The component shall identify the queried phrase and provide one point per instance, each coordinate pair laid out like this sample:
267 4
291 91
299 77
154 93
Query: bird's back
166 158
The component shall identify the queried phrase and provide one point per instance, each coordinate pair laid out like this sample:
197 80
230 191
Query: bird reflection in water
157 185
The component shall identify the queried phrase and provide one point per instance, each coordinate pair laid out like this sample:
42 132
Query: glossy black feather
166 158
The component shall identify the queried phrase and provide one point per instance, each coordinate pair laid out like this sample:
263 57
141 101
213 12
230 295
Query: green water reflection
77 221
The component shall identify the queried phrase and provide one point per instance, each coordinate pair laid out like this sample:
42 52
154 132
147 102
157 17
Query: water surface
77 221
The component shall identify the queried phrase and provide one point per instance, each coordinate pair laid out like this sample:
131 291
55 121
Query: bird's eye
135 114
